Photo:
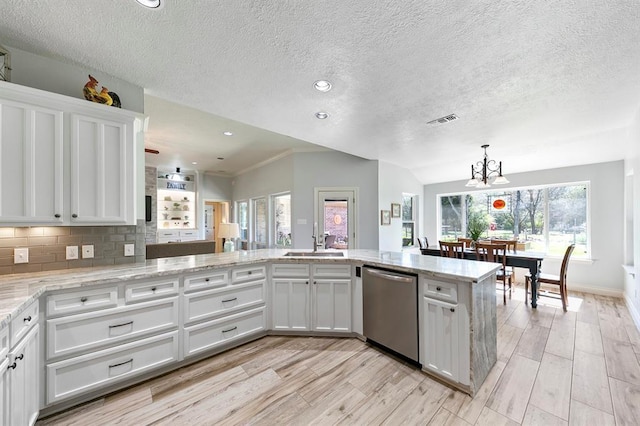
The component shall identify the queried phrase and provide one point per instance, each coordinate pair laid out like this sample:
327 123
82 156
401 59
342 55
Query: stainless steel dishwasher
390 310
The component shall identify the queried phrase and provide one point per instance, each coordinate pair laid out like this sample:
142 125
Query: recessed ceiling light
194 162
322 115
220 158
151 4
227 133
322 85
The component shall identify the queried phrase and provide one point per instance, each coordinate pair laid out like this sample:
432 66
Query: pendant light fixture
483 170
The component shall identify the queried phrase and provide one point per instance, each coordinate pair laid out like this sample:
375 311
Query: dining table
522 259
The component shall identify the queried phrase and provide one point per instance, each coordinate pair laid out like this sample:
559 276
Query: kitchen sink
315 254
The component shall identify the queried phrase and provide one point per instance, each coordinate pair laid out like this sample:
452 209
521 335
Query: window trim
414 214
586 183
272 221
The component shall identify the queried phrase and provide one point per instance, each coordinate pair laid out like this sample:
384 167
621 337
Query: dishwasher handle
389 276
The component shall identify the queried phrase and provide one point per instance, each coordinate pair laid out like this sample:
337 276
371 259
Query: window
259 223
408 220
243 219
282 219
543 219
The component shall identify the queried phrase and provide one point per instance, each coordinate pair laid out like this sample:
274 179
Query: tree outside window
408 220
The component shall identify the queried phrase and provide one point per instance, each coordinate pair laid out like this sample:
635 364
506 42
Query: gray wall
393 181
334 169
604 273
69 79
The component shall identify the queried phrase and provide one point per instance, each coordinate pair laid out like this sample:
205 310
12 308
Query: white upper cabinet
101 170
66 161
31 164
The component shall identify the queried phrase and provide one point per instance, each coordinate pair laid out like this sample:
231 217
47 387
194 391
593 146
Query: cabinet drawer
208 304
22 323
332 271
206 280
82 301
82 374
149 290
291 270
86 331
441 290
208 335
4 345
248 274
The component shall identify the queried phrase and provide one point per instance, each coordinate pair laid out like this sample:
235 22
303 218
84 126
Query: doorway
335 216
215 212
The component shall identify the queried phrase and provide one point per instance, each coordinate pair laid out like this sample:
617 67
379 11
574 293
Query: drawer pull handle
153 289
74 215
438 288
306 282
57 215
121 325
229 300
120 363
83 299
19 357
452 309
231 329
206 280
250 272
12 366
27 319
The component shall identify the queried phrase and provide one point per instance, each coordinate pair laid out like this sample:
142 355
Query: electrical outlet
72 252
129 249
21 255
87 252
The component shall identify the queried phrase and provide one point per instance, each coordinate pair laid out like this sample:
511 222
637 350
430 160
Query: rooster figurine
89 90
103 97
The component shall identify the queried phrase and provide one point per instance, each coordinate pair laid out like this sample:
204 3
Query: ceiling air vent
445 119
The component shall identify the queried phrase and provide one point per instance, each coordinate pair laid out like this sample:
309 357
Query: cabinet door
290 306
102 171
332 305
25 380
4 392
440 338
31 164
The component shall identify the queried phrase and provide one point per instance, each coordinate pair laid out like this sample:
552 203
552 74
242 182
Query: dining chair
466 241
497 253
512 247
559 280
451 249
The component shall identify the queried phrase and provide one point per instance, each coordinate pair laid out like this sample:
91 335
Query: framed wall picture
395 210
385 217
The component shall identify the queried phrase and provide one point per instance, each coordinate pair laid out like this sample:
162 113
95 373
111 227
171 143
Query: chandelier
483 170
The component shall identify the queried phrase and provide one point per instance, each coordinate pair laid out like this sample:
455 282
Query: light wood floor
578 368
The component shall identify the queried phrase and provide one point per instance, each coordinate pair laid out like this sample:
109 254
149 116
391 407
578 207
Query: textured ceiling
546 84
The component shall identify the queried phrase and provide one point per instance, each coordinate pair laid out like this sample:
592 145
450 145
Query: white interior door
335 216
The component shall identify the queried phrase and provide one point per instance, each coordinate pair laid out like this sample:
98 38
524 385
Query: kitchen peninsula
107 328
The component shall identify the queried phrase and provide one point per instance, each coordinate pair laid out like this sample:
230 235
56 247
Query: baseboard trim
597 290
633 311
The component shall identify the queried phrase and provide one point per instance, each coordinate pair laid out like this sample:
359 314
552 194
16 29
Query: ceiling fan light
483 185
472 183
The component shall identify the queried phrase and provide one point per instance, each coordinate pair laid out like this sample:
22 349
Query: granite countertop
17 291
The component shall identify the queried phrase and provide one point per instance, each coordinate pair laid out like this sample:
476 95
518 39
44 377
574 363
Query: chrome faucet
316 244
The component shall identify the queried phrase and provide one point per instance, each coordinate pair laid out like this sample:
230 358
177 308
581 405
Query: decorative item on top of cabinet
5 67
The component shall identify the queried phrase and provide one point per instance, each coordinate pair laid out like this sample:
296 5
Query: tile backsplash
47 246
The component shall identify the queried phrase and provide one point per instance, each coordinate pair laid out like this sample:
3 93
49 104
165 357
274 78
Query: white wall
603 275
632 203
68 79
335 169
393 181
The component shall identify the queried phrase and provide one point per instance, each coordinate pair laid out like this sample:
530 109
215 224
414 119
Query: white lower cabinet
24 380
440 327
81 374
209 335
290 304
4 391
316 298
